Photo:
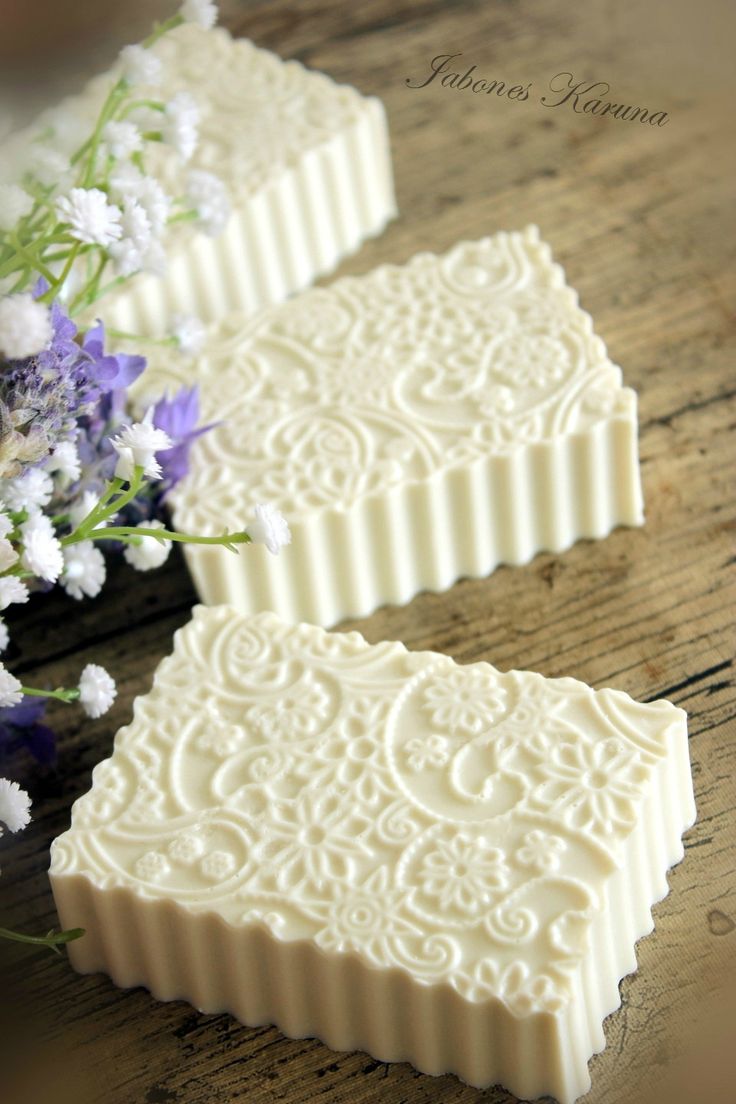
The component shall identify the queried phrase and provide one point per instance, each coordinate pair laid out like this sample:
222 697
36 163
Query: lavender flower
21 729
178 418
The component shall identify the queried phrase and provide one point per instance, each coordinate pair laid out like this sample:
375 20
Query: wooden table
638 216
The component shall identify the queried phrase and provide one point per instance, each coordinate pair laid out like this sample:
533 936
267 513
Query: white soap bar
306 162
415 425
436 863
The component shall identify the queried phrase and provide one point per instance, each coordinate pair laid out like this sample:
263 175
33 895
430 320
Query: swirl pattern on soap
354 392
452 821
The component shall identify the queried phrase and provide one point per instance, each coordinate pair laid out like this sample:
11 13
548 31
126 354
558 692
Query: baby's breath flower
64 461
15 805
84 570
269 528
201 12
147 553
81 507
189 332
122 138
6 525
90 217
42 554
12 591
8 555
97 690
208 195
15 204
137 445
11 692
4 636
33 489
140 66
181 120
25 326
130 251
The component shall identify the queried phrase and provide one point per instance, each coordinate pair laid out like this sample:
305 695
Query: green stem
121 532
62 695
52 939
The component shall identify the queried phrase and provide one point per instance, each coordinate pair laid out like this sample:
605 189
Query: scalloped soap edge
462 522
350 1005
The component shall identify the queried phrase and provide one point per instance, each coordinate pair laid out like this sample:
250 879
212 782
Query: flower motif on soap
541 851
432 751
462 874
186 848
530 360
298 713
220 740
593 786
467 700
218 865
522 991
313 840
152 866
367 919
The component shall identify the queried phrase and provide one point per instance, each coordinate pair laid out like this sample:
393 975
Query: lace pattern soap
426 861
414 425
306 162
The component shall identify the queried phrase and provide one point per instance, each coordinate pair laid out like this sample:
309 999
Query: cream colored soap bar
414 425
306 163
436 863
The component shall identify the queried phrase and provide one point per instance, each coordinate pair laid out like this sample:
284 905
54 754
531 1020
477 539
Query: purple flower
111 372
178 417
20 727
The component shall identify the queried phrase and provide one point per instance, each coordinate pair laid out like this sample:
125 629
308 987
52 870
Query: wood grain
641 217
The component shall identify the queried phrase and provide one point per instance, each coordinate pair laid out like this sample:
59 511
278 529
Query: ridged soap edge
296 228
425 535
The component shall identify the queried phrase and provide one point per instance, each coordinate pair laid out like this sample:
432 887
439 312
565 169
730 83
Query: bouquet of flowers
79 471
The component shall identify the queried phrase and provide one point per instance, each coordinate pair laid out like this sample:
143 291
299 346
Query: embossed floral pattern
593 786
432 752
453 822
463 873
541 851
467 702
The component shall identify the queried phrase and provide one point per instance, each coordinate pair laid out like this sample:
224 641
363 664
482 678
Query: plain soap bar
306 162
415 425
440 863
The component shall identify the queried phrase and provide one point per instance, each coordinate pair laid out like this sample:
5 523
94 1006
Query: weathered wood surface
641 217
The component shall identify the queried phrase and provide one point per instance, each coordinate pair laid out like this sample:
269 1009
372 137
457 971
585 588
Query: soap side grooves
149 941
460 522
283 236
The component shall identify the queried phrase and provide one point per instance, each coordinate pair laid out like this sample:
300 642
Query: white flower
269 528
149 552
97 690
136 446
125 179
12 590
90 217
82 507
122 138
201 12
130 251
189 332
84 570
34 488
4 636
6 525
15 204
25 326
149 194
11 690
64 461
8 555
140 66
14 805
42 552
208 195
181 120
50 167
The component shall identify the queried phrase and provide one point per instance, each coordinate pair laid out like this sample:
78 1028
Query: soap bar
306 163
431 862
415 425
